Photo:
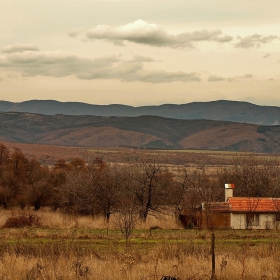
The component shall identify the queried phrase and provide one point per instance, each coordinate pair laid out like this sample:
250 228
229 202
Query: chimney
228 191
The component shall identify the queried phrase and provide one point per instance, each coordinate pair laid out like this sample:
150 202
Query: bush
22 221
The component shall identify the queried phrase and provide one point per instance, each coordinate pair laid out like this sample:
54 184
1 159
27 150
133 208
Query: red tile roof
254 204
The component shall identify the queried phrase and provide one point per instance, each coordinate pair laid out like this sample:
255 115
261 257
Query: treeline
147 186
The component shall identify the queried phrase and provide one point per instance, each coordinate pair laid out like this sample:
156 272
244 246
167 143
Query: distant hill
140 132
233 111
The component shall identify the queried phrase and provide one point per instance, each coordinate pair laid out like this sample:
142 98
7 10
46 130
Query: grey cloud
58 65
74 33
267 55
1 79
141 32
20 48
254 41
214 78
133 70
166 77
224 39
54 64
246 76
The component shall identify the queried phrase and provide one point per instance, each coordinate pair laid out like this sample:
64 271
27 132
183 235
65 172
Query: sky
140 52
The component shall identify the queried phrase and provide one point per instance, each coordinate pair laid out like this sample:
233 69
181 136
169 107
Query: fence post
213 277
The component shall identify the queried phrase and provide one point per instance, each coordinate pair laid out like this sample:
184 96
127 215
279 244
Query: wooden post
213 277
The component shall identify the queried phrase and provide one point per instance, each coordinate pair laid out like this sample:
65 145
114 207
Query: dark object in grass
155 228
22 221
168 278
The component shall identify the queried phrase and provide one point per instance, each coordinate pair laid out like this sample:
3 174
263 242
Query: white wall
266 221
237 221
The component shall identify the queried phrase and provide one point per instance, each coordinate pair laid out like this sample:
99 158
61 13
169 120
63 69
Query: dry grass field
60 246
49 154
64 247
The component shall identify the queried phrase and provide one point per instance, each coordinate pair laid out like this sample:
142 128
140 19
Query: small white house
241 212
254 212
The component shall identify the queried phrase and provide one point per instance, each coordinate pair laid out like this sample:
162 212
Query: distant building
239 213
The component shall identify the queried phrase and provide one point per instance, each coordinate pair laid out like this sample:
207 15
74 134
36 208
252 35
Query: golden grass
57 219
82 248
170 260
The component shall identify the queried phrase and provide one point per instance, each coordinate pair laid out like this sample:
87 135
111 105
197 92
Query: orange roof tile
254 204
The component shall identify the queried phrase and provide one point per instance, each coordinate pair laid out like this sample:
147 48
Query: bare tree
39 191
110 190
150 184
254 175
13 177
72 193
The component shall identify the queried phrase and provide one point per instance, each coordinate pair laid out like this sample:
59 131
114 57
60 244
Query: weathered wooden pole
213 277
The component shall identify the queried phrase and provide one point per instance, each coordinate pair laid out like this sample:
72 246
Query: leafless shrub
37 272
22 221
81 272
126 221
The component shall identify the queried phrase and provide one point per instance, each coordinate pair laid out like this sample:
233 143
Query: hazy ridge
139 132
234 111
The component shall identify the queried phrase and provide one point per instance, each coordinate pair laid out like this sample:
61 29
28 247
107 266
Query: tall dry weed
66 252
62 262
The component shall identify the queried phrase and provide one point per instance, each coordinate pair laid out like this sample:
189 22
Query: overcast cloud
214 78
20 48
141 32
254 41
30 64
171 51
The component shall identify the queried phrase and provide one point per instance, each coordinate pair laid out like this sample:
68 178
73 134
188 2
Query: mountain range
137 132
234 111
